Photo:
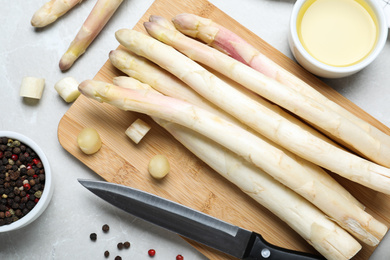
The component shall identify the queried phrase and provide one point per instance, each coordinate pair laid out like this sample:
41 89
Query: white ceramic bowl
323 70
47 191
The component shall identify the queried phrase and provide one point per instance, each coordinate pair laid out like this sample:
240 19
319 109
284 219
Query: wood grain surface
191 182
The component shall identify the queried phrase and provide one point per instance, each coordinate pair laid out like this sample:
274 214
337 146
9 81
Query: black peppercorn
15 205
126 244
7 154
93 236
118 258
106 254
30 172
30 205
23 171
16 150
119 246
105 228
18 213
14 175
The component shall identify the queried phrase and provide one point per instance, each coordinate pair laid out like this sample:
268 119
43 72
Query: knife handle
259 249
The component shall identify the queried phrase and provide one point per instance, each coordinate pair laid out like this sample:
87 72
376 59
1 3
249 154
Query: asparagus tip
184 21
67 61
162 21
40 20
85 88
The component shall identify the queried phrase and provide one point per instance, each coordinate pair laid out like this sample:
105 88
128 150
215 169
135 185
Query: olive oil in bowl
337 38
337 32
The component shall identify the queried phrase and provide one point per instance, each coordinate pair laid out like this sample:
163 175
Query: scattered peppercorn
118 258
126 244
152 252
106 254
93 236
105 228
179 257
119 246
17 185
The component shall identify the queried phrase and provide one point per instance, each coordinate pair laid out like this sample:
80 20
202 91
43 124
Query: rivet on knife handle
261 249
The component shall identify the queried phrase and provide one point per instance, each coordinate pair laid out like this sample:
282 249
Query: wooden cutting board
191 182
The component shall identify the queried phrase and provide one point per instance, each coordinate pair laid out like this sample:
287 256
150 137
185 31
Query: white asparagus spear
230 43
51 11
323 118
284 166
258 117
96 20
316 228
143 70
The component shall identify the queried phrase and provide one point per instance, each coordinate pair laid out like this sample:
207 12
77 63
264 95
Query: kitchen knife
192 224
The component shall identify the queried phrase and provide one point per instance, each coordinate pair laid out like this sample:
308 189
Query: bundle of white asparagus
269 154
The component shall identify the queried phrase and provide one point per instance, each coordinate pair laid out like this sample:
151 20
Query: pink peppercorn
36 161
151 252
179 257
27 186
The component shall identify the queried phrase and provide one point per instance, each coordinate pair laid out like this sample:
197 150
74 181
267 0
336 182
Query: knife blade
192 224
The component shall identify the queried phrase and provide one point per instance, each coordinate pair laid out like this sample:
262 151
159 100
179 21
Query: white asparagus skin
230 43
96 20
325 119
143 70
284 166
258 117
316 228
51 11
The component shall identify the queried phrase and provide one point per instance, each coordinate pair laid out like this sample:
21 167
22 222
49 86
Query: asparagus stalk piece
67 88
284 166
373 144
96 20
143 70
317 229
51 11
137 130
32 87
258 117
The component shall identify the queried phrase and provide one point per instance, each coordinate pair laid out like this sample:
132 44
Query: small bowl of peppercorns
25 181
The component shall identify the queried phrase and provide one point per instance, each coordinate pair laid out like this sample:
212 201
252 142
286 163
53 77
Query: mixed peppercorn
124 245
22 180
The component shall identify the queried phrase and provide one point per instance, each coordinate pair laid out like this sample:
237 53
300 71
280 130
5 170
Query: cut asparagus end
67 88
32 87
137 130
